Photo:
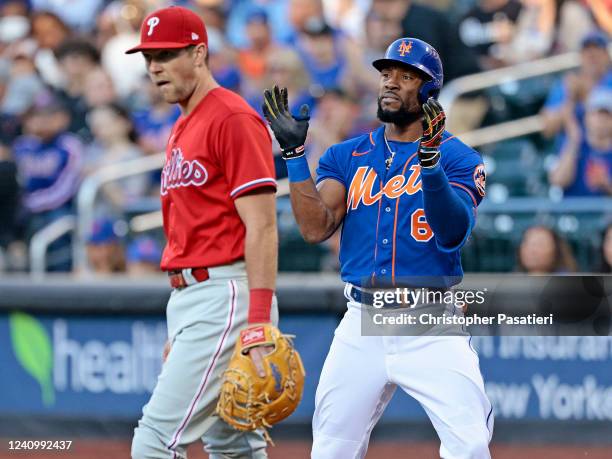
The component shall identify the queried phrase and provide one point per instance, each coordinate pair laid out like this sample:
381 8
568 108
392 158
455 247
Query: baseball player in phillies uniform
218 204
406 197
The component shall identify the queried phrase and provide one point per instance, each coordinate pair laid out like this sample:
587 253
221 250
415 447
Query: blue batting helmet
420 55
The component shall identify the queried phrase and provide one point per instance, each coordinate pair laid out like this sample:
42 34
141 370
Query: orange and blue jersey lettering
385 234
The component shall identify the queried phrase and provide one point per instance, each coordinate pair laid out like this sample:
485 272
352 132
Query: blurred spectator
543 251
380 32
16 85
323 52
49 161
392 8
154 121
331 59
23 83
143 256
533 34
570 92
584 167
277 12
304 12
573 21
286 69
425 23
114 142
79 14
252 59
222 61
99 89
212 12
602 10
9 197
14 8
118 27
78 59
347 16
22 86
606 251
333 121
48 157
105 252
49 32
14 21
489 24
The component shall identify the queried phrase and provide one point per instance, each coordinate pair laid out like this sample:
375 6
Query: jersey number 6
420 229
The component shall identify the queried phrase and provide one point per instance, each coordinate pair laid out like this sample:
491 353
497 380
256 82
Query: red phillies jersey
217 153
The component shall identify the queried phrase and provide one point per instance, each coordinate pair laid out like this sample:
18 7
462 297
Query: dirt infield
107 449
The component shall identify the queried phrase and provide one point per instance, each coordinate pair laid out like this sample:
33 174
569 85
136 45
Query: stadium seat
297 255
517 165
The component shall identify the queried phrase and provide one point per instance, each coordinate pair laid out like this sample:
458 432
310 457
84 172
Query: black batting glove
290 131
433 128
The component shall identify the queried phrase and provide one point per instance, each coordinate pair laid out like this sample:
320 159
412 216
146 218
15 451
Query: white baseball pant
203 325
361 374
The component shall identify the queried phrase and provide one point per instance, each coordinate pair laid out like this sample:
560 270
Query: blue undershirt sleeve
448 211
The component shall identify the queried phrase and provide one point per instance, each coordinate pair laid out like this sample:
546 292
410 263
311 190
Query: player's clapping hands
290 131
433 128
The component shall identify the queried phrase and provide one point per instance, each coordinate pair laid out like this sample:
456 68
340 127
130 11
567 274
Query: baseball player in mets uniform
406 196
218 204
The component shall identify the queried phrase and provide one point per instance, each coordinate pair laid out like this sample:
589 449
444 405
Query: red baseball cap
171 28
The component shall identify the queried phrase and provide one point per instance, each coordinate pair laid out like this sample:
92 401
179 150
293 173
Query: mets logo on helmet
480 179
404 48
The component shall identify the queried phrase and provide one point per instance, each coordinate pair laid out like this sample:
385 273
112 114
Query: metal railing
89 191
503 131
469 83
41 241
452 91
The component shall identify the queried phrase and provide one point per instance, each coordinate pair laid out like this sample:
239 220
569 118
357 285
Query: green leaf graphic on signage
32 348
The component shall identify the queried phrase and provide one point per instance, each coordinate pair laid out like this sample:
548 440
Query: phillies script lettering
178 172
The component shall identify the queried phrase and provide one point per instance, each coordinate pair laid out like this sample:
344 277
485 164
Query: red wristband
260 303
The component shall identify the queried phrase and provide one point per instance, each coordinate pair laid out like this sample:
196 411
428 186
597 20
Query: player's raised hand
433 128
290 131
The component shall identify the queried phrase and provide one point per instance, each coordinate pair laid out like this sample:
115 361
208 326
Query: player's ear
201 55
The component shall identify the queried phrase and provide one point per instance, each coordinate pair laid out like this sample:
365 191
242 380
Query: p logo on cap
152 23
171 28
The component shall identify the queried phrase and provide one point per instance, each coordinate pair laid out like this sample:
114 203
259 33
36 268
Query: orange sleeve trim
446 140
467 190
372 138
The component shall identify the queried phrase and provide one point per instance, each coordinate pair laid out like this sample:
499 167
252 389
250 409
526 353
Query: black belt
367 298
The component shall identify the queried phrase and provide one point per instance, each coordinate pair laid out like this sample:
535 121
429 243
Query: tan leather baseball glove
249 401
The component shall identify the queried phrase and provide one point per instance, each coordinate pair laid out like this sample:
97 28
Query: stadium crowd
71 101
